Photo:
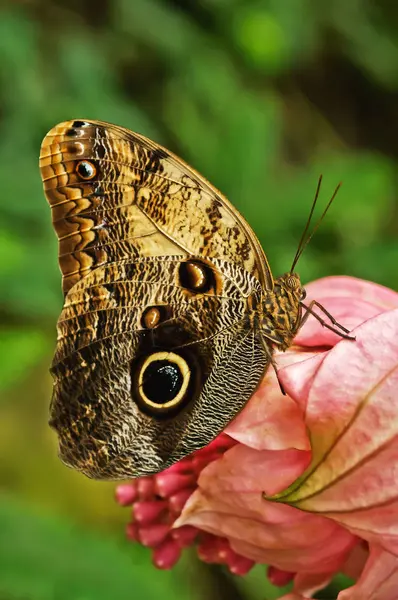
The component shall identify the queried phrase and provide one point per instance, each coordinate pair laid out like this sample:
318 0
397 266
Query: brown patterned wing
147 370
158 347
115 195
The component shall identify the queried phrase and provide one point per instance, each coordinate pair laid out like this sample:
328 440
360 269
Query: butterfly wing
156 348
115 194
131 399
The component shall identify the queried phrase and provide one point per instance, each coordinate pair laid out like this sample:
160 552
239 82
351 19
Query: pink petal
352 416
297 378
271 420
356 560
342 286
310 583
229 503
270 533
379 579
351 301
242 470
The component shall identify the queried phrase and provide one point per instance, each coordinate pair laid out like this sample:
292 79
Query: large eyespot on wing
115 194
164 382
147 371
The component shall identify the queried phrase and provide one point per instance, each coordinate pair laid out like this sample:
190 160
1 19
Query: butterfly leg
272 361
309 311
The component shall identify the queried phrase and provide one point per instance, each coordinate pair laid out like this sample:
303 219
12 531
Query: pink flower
307 482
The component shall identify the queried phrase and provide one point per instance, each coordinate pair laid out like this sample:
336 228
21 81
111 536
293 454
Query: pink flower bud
278 577
184 536
241 565
148 511
178 500
152 535
212 549
145 488
167 484
126 493
132 532
166 554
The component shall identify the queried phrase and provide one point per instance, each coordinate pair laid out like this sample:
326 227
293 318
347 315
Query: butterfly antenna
304 242
301 242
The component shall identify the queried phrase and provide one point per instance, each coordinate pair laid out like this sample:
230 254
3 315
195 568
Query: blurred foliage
261 96
64 562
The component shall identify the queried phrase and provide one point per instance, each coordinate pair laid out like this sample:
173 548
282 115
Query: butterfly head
290 291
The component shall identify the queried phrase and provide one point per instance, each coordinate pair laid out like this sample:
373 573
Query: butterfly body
171 313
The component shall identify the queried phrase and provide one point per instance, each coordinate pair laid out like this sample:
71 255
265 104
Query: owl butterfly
171 313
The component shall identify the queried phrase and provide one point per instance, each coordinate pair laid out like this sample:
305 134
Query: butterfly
171 314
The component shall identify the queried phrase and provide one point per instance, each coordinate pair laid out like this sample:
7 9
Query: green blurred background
261 97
